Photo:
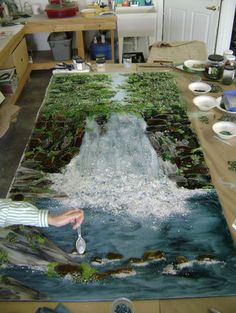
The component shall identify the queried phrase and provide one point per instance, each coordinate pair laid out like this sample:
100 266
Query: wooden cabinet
14 54
18 59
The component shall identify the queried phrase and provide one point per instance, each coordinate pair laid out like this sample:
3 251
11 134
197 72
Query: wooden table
77 24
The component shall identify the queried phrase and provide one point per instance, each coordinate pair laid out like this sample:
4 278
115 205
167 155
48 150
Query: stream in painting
131 208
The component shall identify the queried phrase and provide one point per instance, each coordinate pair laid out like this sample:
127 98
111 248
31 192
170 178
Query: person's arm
16 212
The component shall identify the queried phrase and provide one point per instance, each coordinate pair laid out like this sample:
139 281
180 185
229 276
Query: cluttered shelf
77 24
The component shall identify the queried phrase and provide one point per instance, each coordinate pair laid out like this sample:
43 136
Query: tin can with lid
100 62
214 67
78 63
127 60
228 75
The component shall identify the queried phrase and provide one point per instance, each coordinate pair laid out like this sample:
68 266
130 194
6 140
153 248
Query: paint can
78 63
127 60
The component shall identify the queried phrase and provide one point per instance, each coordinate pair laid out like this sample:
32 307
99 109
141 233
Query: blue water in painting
115 180
204 231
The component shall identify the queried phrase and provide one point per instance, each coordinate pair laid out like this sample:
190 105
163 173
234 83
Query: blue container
100 48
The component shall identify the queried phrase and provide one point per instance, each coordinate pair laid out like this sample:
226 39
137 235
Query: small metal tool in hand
80 243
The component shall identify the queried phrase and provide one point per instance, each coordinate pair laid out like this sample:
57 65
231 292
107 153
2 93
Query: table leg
120 44
79 40
112 46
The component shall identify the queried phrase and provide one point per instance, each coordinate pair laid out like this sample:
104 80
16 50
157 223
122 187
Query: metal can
127 60
214 67
78 63
228 75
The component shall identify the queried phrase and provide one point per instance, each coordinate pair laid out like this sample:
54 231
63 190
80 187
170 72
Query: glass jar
228 75
230 60
127 60
227 53
100 62
214 67
78 63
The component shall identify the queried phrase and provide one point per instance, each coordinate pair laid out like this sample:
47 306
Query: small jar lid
127 56
100 56
100 61
230 57
216 58
228 52
229 67
77 59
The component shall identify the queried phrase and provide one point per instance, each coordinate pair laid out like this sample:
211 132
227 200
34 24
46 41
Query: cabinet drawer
20 58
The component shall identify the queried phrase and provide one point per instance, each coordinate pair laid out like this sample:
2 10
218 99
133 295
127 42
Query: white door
192 20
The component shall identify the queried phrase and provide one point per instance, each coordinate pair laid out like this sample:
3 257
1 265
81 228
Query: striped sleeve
16 212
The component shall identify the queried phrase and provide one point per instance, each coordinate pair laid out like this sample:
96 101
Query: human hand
73 216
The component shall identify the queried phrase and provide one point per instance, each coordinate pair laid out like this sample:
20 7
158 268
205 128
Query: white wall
225 26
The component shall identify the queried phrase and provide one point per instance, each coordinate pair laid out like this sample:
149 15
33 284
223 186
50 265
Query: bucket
100 48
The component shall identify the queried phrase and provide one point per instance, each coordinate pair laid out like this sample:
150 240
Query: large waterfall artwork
120 147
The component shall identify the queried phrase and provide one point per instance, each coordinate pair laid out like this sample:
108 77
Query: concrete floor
13 143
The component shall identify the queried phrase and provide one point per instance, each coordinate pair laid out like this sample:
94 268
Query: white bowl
199 88
195 65
205 103
225 129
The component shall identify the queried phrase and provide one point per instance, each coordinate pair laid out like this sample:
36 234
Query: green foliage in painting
87 272
51 269
11 237
3 256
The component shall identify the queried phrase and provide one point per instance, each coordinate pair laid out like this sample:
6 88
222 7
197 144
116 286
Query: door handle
212 8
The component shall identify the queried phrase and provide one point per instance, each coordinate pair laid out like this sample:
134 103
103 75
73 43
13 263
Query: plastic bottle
228 75
103 40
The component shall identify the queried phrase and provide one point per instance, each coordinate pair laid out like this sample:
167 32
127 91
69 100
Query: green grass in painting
72 98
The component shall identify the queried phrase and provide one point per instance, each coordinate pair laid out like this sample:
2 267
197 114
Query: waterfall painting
121 147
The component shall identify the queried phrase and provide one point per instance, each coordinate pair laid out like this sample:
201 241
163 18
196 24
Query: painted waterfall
120 147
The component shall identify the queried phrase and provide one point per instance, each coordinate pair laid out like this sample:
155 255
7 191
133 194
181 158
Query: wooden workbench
77 24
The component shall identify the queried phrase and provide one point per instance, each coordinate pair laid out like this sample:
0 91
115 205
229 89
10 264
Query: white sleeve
24 213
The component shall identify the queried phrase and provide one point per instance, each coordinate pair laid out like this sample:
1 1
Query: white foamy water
119 171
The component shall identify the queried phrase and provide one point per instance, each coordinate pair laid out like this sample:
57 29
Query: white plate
224 129
205 103
199 88
193 65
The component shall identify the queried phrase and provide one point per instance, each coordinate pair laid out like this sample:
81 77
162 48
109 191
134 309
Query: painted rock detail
206 258
97 259
114 256
153 255
135 261
180 259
